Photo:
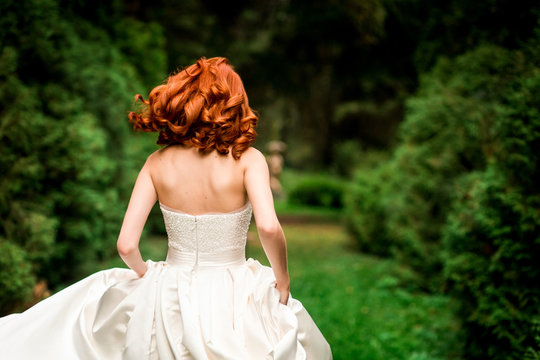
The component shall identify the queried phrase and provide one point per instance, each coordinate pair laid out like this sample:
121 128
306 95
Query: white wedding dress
206 301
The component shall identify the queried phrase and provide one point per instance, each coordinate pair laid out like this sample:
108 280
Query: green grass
361 303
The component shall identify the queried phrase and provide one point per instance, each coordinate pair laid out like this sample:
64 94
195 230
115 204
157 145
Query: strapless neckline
245 207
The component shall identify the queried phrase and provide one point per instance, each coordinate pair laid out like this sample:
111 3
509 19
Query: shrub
318 191
458 200
66 151
17 278
492 242
367 209
533 351
346 155
492 236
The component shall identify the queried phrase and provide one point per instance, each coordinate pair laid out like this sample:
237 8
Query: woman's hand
284 291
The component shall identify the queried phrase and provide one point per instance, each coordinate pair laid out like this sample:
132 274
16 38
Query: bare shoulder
153 160
153 157
252 156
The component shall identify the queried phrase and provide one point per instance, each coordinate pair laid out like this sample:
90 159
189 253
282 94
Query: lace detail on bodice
207 233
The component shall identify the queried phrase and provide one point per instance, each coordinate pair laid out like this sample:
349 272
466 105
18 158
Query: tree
66 150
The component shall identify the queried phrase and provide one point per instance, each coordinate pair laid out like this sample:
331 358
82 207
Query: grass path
361 303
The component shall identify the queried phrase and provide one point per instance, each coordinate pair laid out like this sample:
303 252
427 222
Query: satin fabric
226 307
206 301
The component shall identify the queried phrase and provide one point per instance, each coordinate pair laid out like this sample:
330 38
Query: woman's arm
142 200
257 183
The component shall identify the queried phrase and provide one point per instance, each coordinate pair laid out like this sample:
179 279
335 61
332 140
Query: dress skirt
225 308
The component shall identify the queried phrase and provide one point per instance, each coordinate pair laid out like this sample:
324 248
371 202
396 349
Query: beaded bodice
207 233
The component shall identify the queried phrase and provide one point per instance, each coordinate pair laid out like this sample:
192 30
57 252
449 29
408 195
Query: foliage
492 241
453 27
17 278
492 236
458 200
367 208
533 352
68 162
318 191
304 62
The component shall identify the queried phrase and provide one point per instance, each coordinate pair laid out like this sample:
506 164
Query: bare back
183 179
196 183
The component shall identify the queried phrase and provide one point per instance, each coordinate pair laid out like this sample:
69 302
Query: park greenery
416 122
458 200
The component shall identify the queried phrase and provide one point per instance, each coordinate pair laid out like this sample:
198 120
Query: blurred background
404 138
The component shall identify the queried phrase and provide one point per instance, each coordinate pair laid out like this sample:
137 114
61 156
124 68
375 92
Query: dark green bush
492 244
67 155
458 200
17 277
449 131
492 236
346 155
318 191
367 209
533 351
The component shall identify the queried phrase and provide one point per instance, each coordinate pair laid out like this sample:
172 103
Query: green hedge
319 191
368 207
492 233
17 278
458 201
492 240
67 154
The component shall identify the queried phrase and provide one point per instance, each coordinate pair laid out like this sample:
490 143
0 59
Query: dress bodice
211 233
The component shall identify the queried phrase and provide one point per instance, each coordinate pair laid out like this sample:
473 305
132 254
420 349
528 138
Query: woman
206 301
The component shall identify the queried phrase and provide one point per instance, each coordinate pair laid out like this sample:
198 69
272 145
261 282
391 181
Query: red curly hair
204 106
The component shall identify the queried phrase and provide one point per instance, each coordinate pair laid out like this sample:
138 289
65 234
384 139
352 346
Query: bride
205 301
